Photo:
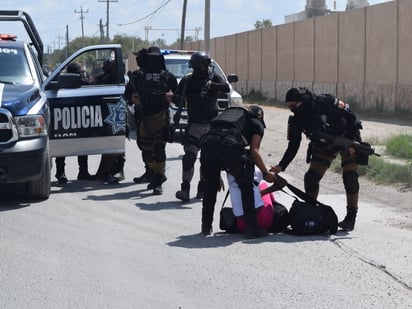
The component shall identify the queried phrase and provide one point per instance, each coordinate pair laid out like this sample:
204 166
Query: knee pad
312 181
159 153
188 161
350 181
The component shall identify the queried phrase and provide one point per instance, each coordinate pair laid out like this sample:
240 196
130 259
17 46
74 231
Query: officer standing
328 114
199 89
153 87
141 58
223 148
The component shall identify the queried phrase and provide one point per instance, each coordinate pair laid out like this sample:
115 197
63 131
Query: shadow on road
13 196
222 239
156 206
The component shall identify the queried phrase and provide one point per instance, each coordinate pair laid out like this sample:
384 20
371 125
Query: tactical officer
152 86
323 113
141 58
200 90
223 148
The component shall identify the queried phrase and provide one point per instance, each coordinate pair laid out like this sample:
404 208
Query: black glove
205 88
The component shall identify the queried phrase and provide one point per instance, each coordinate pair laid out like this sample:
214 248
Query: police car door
87 109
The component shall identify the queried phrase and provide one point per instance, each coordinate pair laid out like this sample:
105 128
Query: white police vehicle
177 62
63 114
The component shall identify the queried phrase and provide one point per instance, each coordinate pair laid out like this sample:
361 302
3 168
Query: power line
147 16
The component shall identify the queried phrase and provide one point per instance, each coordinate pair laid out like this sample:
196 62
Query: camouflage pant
153 132
320 162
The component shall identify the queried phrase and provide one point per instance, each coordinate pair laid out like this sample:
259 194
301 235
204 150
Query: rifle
337 143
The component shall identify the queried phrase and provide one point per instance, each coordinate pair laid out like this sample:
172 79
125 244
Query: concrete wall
362 56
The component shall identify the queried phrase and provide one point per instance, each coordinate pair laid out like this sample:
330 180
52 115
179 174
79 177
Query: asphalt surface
93 245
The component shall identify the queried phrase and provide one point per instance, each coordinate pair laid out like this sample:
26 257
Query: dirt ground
395 198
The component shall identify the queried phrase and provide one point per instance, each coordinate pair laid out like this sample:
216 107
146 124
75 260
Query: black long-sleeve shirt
201 108
321 113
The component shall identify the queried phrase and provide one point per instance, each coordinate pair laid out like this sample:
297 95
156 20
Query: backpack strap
224 201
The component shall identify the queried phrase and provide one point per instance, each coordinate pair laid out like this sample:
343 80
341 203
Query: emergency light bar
177 52
8 37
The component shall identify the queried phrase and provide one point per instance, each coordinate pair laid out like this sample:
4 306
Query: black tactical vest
152 88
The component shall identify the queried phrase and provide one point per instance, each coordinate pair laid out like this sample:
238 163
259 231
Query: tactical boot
151 184
183 194
254 232
119 176
206 230
145 178
84 169
200 189
157 184
61 177
85 176
348 223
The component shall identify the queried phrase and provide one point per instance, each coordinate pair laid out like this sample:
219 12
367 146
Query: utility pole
107 17
182 31
67 41
207 25
81 20
197 30
146 33
58 37
101 31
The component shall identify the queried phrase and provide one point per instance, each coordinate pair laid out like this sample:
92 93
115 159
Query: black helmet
294 95
141 56
258 112
154 51
199 61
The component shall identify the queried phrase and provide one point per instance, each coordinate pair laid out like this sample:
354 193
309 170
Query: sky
131 17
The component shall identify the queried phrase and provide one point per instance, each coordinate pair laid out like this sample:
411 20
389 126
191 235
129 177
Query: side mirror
69 80
232 78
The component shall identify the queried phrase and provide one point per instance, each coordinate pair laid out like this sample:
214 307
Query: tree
264 23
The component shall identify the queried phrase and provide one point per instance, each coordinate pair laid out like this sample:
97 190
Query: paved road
117 246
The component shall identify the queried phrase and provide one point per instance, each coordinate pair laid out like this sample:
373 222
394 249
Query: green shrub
400 146
381 171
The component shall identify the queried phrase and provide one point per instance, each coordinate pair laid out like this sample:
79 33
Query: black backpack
311 219
280 218
309 216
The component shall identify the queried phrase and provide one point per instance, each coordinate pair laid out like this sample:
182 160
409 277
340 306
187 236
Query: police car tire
40 188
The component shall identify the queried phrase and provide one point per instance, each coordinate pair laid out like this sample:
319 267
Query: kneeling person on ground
223 148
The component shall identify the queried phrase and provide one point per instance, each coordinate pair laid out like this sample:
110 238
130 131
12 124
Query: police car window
14 67
178 67
95 67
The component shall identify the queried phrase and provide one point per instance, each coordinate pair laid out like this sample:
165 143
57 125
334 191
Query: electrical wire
147 16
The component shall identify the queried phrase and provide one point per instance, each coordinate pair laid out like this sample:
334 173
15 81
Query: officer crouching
233 144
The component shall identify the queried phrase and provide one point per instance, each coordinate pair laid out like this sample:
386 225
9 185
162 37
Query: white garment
236 196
